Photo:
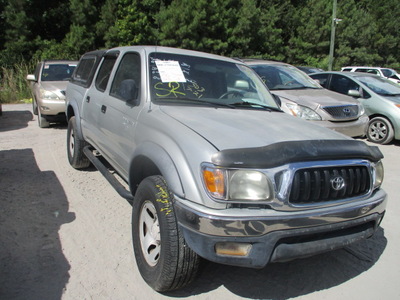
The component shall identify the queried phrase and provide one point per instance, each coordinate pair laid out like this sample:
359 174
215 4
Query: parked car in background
48 85
309 70
390 74
303 97
380 98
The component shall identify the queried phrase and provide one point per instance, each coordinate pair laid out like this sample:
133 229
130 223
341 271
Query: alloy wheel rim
378 131
149 233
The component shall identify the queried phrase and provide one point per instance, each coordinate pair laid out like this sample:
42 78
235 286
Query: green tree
134 24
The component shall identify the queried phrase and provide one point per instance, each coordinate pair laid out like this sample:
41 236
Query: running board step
121 190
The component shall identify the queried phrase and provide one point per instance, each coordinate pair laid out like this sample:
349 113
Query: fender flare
159 157
72 110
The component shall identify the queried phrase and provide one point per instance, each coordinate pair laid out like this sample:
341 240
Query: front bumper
352 128
279 236
51 107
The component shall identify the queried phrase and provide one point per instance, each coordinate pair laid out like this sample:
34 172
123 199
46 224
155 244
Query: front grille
314 185
343 111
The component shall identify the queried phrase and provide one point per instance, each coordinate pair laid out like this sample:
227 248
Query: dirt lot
65 234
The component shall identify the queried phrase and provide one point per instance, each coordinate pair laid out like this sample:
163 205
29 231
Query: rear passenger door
120 111
94 109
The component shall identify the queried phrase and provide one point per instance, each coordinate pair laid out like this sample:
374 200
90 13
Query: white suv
390 74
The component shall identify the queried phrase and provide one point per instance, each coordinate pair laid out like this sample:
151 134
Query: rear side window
346 70
104 72
322 79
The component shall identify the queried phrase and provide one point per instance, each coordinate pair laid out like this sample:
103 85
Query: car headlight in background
303 112
362 110
379 174
236 185
49 95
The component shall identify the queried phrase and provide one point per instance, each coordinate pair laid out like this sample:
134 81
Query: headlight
362 110
379 174
237 185
303 112
48 95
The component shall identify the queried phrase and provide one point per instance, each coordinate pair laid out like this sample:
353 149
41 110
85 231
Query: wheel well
381 116
142 167
70 112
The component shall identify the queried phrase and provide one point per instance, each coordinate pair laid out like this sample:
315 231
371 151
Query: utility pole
333 27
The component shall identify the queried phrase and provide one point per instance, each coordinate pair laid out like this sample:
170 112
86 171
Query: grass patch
13 84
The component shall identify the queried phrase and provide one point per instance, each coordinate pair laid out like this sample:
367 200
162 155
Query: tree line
294 31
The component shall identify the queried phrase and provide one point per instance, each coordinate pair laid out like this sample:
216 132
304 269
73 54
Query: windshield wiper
182 100
389 95
255 105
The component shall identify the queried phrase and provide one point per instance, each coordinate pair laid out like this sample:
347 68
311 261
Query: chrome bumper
327 228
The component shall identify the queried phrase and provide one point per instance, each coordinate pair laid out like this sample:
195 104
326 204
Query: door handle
103 109
87 99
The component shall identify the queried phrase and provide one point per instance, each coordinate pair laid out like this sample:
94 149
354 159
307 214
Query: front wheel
75 145
164 260
42 121
380 131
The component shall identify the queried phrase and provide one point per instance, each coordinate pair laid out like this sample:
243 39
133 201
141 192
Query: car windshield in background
57 72
380 85
188 80
283 77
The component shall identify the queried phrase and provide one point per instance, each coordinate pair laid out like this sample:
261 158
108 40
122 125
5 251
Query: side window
127 78
84 69
346 70
104 72
343 84
322 79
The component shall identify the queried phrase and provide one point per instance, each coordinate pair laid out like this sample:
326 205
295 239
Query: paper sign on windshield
170 71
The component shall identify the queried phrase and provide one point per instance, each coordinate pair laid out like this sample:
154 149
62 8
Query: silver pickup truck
213 167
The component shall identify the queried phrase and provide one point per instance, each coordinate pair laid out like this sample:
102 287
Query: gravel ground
65 234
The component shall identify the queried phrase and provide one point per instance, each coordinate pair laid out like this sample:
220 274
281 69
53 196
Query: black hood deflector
296 151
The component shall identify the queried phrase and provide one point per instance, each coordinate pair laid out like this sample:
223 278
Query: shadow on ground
33 206
14 120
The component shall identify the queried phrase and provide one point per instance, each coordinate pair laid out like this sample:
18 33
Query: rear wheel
380 131
164 260
75 145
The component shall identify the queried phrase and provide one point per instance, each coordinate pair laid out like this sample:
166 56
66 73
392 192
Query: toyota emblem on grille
337 183
346 111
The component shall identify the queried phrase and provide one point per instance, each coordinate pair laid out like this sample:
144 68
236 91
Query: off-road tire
175 265
380 131
75 145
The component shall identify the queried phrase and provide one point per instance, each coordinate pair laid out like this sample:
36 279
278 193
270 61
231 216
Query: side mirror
277 100
129 91
31 77
354 93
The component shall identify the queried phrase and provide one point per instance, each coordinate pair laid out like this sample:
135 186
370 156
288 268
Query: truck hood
313 98
237 128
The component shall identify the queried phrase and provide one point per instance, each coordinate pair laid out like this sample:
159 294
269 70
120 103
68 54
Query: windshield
57 72
190 80
380 85
284 77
